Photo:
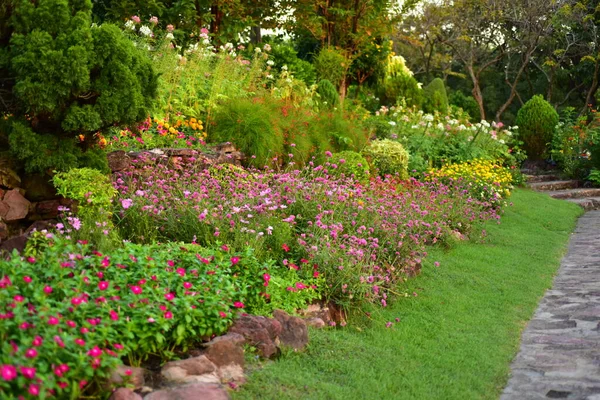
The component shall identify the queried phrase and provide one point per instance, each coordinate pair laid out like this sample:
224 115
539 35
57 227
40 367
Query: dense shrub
350 164
72 313
328 93
537 121
389 157
331 64
399 84
72 79
435 97
284 55
467 103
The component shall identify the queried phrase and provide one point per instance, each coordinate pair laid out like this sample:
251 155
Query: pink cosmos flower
103 285
238 304
8 372
31 353
126 203
136 289
28 372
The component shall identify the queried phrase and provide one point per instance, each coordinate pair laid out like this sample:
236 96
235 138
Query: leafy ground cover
455 334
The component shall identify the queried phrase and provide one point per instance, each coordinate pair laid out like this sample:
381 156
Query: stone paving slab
559 356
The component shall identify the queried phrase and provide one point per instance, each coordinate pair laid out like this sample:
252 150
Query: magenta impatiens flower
238 304
187 285
47 289
103 285
31 353
8 372
95 352
235 260
53 321
28 372
136 289
169 296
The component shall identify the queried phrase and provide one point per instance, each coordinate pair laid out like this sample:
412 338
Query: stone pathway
559 356
571 190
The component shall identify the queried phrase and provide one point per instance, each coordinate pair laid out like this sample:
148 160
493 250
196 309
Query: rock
317 311
4 209
226 352
38 187
8 177
190 370
180 152
18 206
260 332
294 332
3 231
315 322
132 375
125 394
197 391
47 209
232 373
15 243
2 192
235 338
118 160
40 226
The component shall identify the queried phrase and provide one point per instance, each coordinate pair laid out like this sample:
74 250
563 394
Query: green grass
456 338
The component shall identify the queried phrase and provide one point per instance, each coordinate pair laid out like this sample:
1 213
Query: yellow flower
172 130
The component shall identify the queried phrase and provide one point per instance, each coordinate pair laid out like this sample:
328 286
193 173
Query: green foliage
389 157
284 54
537 122
350 163
571 143
328 93
594 177
338 129
399 84
435 97
94 193
247 124
71 78
331 64
468 104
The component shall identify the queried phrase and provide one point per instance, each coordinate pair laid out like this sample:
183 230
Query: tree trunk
513 86
476 91
255 35
589 98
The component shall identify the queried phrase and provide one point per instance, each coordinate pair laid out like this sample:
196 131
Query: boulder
232 373
131 375
18 206
226 351
125 394
294 332
315 322
3 231
259 332
38 187
118 160
15 243
196 391
195 369
8 177
47 209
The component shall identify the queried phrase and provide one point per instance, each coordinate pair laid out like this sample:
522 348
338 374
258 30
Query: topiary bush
330 64
328 93
537 121
68 79
389 157
435 97
350 163
399 84
248 125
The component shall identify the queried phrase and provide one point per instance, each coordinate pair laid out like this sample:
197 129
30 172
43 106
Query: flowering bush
362 238
69 316
486 180
389 157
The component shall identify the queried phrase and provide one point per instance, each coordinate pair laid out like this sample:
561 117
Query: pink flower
8 372
59 341
37 341
169 296
388 324
267 278
31 353
103 285
238 304
95 352
136 19
18 298
47 289
126 203
222 314
154 20
71 324
113 315
168 315
105 262
128 372
118 346
34 390
80 342
187 285
437 263
136 289
285 247
204 31
31 260
180 272
171 263
170 28
235 260
28 372
151 320
53 321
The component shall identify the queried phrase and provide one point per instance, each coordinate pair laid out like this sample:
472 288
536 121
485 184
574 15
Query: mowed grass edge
458 330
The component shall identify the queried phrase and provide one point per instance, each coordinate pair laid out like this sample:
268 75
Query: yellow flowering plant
486 180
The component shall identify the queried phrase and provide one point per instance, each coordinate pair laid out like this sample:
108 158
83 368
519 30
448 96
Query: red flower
235 260
170 263
187 285
95 352
136 289
285 247
47 289
238 304
222 314
103 285
27 279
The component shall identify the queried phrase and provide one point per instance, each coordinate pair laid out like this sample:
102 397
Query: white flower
415 127
392 123
284 68
257 50
440 126
266 47
169 36
428 117
269 76
144 30
130 25
206 41
270 63
501 141
461 127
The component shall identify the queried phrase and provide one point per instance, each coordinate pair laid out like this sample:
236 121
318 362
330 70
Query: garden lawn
456 338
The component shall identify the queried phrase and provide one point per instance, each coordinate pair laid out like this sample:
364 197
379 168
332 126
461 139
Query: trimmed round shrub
537 121
436 98
247 124
350 163
328 93
389 157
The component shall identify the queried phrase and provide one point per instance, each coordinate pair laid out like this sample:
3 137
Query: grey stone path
560 348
